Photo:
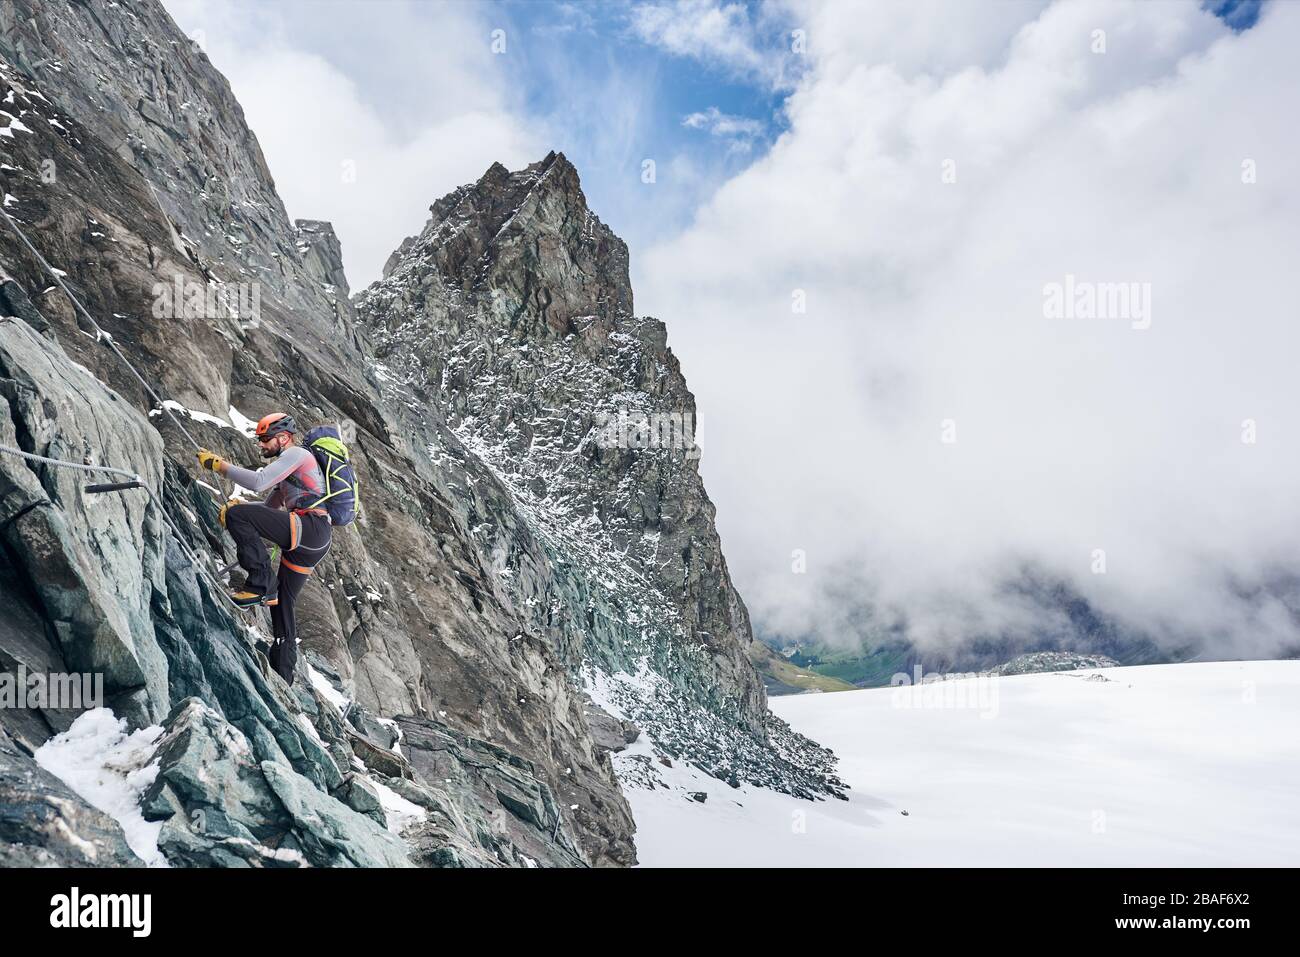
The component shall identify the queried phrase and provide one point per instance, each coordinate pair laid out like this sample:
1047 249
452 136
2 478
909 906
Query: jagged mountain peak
499 193
516 225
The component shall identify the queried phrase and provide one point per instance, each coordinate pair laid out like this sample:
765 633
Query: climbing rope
32 457
134 481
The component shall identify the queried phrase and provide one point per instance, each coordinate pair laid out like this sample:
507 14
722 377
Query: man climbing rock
290 517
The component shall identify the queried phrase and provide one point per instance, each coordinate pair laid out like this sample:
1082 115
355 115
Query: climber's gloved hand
211 461
221 515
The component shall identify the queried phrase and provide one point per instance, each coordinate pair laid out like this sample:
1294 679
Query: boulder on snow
608 732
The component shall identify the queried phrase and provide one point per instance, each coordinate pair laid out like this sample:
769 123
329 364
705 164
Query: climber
290 517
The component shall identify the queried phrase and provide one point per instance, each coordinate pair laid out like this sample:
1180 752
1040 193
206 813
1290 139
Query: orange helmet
274 424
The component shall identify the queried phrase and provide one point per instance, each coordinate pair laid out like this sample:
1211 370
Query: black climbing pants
303 540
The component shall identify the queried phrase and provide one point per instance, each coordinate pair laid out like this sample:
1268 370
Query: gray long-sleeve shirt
297 479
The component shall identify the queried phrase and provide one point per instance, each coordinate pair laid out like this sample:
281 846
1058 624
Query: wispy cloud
738 39
567 18
723 124
739 131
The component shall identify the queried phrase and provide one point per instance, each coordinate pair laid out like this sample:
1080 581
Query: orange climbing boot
247 599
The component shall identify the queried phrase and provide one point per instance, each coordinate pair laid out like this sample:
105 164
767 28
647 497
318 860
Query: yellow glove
211 461
221 515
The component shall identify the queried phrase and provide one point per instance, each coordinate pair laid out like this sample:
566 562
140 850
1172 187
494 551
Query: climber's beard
271 451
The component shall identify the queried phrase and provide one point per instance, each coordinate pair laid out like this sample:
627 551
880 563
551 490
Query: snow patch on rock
108 766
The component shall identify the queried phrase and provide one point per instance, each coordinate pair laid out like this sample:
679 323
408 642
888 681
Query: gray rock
382 760
219 799
209 774
330 833
1037 662
92 563
473 787
610 733
44 824
14 302
360 795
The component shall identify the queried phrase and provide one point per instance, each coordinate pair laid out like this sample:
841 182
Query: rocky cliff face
512 314
505 564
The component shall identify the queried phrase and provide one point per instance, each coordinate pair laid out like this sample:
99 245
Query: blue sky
1238 14
610 84
571 58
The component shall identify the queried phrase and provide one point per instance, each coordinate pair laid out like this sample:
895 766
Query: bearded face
274 445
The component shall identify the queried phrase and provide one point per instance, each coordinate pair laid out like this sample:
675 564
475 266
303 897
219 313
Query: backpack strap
331 476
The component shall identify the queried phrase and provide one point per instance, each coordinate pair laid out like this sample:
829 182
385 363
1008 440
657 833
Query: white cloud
723 124
734 38
739 132
434 111
822 430
913 37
